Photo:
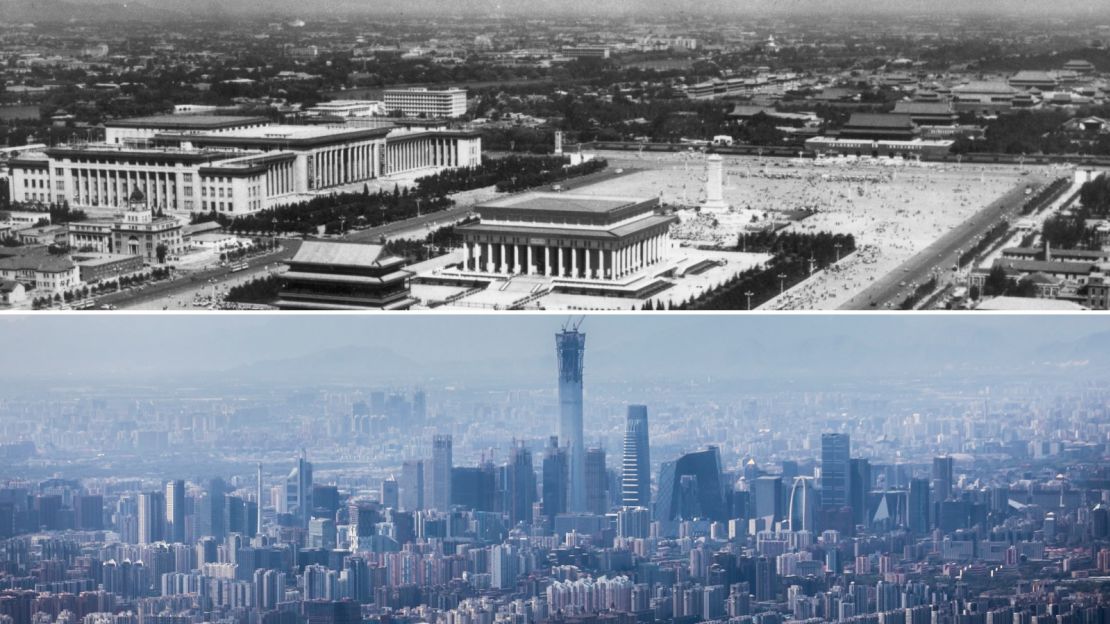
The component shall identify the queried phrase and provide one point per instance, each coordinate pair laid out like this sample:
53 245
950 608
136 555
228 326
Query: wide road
179 285
375 234
942 254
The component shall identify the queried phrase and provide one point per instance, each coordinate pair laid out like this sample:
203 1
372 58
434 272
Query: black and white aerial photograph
481 155
340 312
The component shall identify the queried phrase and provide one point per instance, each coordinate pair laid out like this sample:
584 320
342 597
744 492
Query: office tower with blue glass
835 460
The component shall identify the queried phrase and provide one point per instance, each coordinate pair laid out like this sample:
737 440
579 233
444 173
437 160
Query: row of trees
526 181
101 288
258 245
998 284
342 211
1070 231
1094 197
989 238
1045 196
435 244
1036 132
489 173
337 212
259 290
790 264
57 213
919 293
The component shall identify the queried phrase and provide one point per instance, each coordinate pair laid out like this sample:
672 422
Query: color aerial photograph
533 469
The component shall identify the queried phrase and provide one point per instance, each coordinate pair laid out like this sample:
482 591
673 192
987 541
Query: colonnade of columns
566 261
281 179
419 153
113 187
340 165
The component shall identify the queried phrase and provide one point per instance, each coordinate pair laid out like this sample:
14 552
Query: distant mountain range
501 350
718 348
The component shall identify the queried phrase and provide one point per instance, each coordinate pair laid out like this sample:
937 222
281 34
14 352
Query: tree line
342 211
1070 230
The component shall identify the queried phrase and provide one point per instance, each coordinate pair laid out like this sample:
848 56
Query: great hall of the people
230 165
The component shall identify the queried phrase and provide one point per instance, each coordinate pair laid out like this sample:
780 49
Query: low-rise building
349 108
43 235
140 233
927 113
12 292
22 219
39 269
91 235
213 240
96 267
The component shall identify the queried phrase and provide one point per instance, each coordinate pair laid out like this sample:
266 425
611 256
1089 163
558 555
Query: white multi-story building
415 102
48 272
234 170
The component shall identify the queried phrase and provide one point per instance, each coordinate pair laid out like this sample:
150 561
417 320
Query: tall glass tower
636 464
442 463
835 460
570 348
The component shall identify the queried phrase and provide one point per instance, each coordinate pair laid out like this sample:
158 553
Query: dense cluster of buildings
140 186
1078 277
558 535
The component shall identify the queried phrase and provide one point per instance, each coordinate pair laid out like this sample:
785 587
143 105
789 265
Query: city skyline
424 346
843 499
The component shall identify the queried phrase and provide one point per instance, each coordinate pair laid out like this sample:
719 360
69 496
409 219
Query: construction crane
572 324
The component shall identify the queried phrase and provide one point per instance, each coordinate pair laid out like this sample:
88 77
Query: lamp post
749 296
782 283
837 246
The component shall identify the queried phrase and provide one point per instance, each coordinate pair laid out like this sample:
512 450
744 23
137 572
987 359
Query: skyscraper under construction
570 348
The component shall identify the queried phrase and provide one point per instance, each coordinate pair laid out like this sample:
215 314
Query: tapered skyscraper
636 465
570 347
298 490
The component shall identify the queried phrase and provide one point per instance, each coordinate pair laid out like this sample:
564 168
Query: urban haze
541 469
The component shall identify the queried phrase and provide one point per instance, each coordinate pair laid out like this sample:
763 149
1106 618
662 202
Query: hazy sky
627 7
320 348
